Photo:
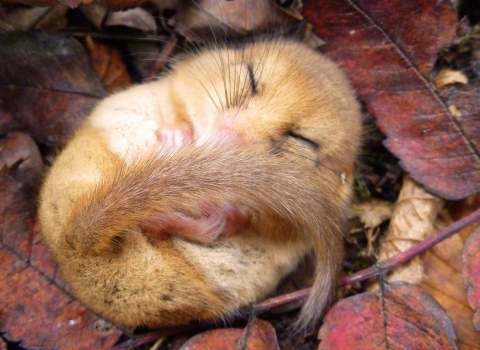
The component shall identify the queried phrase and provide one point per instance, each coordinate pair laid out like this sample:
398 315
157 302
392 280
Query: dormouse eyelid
302 138
251 77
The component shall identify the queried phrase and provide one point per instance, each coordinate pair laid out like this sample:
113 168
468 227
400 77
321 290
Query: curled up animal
191 196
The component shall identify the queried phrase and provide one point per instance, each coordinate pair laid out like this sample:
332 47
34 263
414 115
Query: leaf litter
389 56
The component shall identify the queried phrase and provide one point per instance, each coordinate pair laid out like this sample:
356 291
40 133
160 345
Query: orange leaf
109 64
471 273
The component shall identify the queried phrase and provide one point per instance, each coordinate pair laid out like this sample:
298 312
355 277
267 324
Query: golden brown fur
274 133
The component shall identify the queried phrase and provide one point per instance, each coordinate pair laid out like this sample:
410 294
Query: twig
380 268
114 36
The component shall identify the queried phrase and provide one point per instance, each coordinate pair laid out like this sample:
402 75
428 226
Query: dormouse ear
217 220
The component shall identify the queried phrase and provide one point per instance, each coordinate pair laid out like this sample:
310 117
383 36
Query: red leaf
471 273
388 49
403 316
257 335
32 308
47 85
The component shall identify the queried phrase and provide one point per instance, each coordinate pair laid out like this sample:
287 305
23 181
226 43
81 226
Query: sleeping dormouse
192 196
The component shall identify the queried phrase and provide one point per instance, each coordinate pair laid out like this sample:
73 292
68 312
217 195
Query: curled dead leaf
413 220
137 18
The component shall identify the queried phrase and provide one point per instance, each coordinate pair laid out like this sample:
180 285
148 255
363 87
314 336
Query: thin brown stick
380 268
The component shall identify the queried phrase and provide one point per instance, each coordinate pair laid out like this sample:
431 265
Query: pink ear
226 220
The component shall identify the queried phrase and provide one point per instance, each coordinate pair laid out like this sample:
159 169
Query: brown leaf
471 273
137 18
20 170
388 49
399 316
443 280
372 215
124 4
45 18
257 335
413 220
213 19
117 4
95 12
416 217
43 3
33 309
109 64
47 85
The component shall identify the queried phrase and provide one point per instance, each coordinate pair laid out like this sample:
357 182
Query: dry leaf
388 49
109 64
137 18
45 18
214 20
20 170
401 316
118 4
257 335
443 280
373 213
48 86
412 221
414 218
95 12
33 310
43 3
471 273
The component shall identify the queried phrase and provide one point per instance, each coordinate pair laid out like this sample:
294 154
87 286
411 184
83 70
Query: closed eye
251 77
304 139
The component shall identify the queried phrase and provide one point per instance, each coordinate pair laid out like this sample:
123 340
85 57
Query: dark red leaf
401 316
257 335
47 85
388 49
34 310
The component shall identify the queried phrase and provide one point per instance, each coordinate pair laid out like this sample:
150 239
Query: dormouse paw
215 221
175 136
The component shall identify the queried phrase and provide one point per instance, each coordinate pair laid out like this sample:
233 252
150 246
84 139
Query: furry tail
253 176
328 256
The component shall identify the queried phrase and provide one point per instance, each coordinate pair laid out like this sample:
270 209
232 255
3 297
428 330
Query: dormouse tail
328 257
254 177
